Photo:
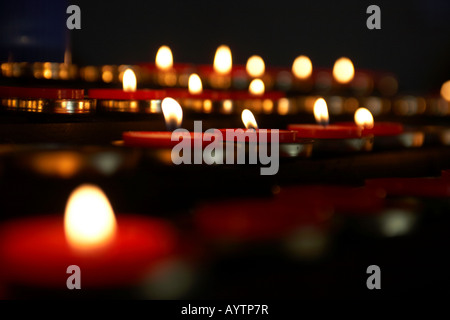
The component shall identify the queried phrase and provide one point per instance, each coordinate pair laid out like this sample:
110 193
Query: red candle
418 187
288 210
36 251
119 94
323 130
364 120
40 93
128 92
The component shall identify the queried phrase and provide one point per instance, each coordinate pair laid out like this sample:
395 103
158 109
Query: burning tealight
343 70
111 251
386 134
129 99
255 66
327 136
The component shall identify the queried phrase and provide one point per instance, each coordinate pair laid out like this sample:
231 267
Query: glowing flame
256 87
343 70
445 90
89 221
302 67
363 118
249 119
195 84
222 60
173 114
321 111
129 80
164 58
255 66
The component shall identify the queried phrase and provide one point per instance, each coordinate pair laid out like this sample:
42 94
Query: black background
414 41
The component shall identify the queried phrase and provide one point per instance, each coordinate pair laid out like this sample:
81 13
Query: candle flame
343 70
256 87
249 119
302 67
222 60
255 66
129 81
173 114
364 118
89 220
321 111
164 58
445 90
195 84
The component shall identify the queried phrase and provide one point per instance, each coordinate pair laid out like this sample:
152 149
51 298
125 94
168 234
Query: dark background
414 41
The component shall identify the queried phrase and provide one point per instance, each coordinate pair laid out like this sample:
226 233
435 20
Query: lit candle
387 134
111 251
332 137
129 99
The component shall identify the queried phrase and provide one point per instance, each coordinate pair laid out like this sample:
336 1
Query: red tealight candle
364 120
290 209
128 92
36 252
323 130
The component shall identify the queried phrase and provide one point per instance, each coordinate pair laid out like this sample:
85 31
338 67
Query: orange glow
255 66
343 70
222 60
321 111
363 118
173 114
302 67
249 119
164 58
195 84
129 81
445 90
89 220
256 87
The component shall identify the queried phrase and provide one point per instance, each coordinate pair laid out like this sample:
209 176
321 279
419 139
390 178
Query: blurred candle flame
255 66
321 111
195 84
256 87
173 114
445 90
164 58
249 119
363 118
302 67
223 60
129 81
343 70
89 220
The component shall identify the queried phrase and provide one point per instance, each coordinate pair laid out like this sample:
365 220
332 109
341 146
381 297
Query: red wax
178 68
161 139
34 252
379 128
119 94
419 187
445 174
333 131
272 218
214 95
284 136
40 93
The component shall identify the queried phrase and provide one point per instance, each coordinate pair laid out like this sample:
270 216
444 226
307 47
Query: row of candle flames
343 73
